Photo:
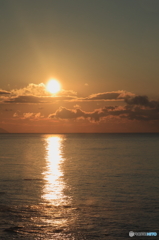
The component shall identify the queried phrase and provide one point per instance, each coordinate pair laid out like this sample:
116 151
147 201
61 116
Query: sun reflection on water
53 190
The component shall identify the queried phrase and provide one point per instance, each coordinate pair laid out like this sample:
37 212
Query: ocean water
78 186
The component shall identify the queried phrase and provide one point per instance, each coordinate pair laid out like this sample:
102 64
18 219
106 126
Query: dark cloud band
137 108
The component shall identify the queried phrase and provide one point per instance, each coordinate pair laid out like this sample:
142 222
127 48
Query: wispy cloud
4 92
114 95
34 99
15 115
36 93
31 90
28 115
23 99
39 90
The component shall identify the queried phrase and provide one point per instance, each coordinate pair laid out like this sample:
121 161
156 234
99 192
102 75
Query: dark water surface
78 186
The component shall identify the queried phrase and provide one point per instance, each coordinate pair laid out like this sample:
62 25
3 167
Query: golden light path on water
58 216
53 190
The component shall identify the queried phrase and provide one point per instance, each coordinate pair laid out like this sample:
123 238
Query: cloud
137 100
96 115
66 93
107 96
34 99
33 116
15 114
76 106
39 90
142 101
38 115
30 94
137 108
4 92
31 90
28 115
36 93
23 99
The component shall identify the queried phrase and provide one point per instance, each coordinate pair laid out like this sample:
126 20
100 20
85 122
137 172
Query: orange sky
35 109
103 53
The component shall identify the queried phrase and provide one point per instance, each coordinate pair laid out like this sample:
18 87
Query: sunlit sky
104 54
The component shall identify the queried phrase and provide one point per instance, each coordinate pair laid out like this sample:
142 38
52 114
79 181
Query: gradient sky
104 53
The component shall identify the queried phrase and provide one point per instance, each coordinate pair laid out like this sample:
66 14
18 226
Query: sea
79 186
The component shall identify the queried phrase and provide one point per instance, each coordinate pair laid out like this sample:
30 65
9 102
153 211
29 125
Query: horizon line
80 133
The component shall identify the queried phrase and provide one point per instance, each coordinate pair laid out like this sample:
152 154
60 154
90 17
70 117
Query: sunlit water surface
78 186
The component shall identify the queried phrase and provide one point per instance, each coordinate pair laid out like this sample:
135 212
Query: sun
53 86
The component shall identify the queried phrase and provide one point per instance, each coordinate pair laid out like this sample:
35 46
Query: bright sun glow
53 86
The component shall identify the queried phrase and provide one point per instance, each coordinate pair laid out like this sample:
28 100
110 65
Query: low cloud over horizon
137 108
34 106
